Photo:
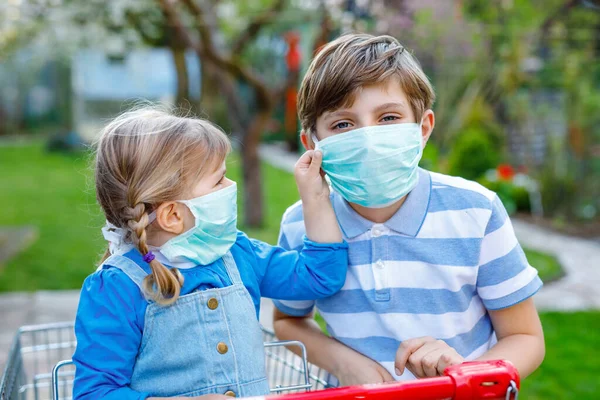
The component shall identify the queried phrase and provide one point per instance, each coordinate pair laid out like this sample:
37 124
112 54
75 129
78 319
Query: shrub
473 154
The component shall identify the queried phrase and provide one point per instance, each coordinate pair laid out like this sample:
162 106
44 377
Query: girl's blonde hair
145 157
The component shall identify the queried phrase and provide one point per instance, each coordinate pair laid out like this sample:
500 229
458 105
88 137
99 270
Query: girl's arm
319 269
108 337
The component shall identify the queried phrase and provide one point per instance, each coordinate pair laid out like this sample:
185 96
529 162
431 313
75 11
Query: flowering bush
515 189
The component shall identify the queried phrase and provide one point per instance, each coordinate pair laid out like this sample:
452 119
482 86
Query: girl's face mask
214 231
374 166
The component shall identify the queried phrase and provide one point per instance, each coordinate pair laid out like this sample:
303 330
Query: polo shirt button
379 264
376 232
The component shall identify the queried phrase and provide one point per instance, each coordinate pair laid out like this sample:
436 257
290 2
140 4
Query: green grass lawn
571 369
547 265
55 193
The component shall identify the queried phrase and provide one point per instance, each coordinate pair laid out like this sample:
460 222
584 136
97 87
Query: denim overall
206 342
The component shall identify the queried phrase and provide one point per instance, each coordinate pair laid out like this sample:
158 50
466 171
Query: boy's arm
347 365
520 337
520 341
505 284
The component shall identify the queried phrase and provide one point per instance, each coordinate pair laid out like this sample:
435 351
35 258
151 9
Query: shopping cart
39 368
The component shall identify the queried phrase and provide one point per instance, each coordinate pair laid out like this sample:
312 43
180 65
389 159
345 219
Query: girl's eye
389 118
342 125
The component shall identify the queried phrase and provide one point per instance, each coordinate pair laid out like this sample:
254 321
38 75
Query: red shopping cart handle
470 380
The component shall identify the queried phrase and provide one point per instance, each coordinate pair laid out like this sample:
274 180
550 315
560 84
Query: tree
205 38
154 31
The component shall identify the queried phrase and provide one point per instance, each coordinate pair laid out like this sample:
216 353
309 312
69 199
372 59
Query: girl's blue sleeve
315 272
109 333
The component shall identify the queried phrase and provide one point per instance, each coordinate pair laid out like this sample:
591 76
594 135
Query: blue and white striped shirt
434 269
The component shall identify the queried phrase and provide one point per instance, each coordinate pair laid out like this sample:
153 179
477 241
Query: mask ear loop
315 141
151 217
423 144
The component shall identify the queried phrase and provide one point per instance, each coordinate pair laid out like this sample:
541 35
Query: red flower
505 172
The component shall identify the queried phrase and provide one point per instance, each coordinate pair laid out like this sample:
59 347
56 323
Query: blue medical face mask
374 166
214 232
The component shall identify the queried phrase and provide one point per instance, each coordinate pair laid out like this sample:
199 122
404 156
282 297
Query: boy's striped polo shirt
434 269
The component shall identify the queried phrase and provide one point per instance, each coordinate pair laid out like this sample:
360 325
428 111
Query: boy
436 275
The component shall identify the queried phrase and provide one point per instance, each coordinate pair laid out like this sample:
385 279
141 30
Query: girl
172 311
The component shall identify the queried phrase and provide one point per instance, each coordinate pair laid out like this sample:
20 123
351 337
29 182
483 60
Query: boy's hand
361 370
426 357
311 182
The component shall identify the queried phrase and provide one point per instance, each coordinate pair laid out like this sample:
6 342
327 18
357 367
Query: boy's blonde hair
355 60
144 158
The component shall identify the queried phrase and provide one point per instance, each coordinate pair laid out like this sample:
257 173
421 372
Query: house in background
92 87
103 87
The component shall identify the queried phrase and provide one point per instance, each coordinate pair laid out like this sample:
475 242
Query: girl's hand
319 217
309 178
426 357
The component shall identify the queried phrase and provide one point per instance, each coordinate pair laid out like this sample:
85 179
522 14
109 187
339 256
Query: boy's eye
342 125
389 118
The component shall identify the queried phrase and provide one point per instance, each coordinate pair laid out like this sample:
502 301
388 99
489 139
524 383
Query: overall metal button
230 393
213 303
222 348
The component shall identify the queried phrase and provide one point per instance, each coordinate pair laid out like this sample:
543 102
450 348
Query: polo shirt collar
407 220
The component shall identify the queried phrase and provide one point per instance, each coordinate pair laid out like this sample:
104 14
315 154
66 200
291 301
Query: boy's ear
169 216
427 127
306 140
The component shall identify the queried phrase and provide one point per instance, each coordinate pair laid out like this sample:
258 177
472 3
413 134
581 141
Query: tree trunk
182 98
64 96
209 85
3 121
253 199
237 111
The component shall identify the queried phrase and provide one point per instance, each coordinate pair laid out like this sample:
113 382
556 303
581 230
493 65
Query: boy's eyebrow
338 113
388 105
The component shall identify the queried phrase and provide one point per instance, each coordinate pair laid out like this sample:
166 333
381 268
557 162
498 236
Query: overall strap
232 269
129 267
